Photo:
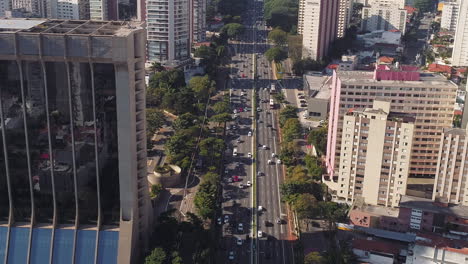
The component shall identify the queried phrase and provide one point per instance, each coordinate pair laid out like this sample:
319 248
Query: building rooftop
319 85
367 78
455 131
430 206
449 244
69 27
377 246
379 210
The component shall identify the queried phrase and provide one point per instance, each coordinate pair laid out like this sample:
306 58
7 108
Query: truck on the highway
272 89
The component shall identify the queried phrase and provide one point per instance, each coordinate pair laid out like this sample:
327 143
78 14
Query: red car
235 178
243 75
240 109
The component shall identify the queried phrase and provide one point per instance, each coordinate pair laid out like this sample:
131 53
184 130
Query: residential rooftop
379 210
430 206
367 78
69 27
319 85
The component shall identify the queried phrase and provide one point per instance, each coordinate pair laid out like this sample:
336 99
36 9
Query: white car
269 161
260 208
273 155
239 241
260 233
220 221
249 134
235 111
226 219
259 173
278 161
249 183
241 186
249 155
240 227
242 93
231 255
264 147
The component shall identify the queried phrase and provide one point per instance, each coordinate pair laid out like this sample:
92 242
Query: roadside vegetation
304 191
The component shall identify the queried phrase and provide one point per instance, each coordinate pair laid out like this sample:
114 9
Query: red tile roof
332 66
386 59
434 67
377 246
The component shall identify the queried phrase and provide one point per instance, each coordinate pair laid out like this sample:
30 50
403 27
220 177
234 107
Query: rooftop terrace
69 27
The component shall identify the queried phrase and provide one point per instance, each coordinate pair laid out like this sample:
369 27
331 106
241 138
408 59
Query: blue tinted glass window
40 247
18 248
85 247
3 236
63 246
108 247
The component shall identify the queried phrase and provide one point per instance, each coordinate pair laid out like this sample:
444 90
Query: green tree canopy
307 64
286 113
314 167
157 256
185 121
233 30
176 258
205 199
318 138
306 206
276 54
221 118
278 37
291 129
221 107
202 86
211 148
155 119
156 67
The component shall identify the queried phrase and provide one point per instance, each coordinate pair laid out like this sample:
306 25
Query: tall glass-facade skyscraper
73 185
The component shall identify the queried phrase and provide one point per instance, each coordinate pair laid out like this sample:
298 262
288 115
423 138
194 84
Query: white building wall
460 46
431 255
450 13
345 10
384 15
310 28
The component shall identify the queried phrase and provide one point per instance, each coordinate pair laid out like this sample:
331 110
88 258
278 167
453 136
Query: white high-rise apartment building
68 9
198 20
37 7
460 46
168 26
384 15
450 13
344 16
375 154
318 26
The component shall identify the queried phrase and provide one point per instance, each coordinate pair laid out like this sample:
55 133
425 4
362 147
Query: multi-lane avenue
254 223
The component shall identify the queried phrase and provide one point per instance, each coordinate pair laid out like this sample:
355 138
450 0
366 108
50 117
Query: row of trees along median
303 189
190 241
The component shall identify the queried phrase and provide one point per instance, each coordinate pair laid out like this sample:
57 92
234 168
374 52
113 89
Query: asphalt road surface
257 136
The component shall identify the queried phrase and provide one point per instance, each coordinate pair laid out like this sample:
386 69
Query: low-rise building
317 94
376 251
429 249
348 63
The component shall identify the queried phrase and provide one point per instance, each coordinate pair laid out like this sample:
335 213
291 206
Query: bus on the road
272 104
273 89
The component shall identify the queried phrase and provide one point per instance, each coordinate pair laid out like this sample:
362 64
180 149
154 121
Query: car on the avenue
249 155
264 147
240 227
219 221
231 255
278 161
249 134
235 178
239 241
226 219
241 186
249 184
260 233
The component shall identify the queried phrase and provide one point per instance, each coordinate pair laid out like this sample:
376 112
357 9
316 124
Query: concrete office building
344 16
168 25
375 154
104 9
460 45
450 13
5 5
430 96
384 15
37 7
68 9
317 93
198 25
318 26
73 179
452 171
